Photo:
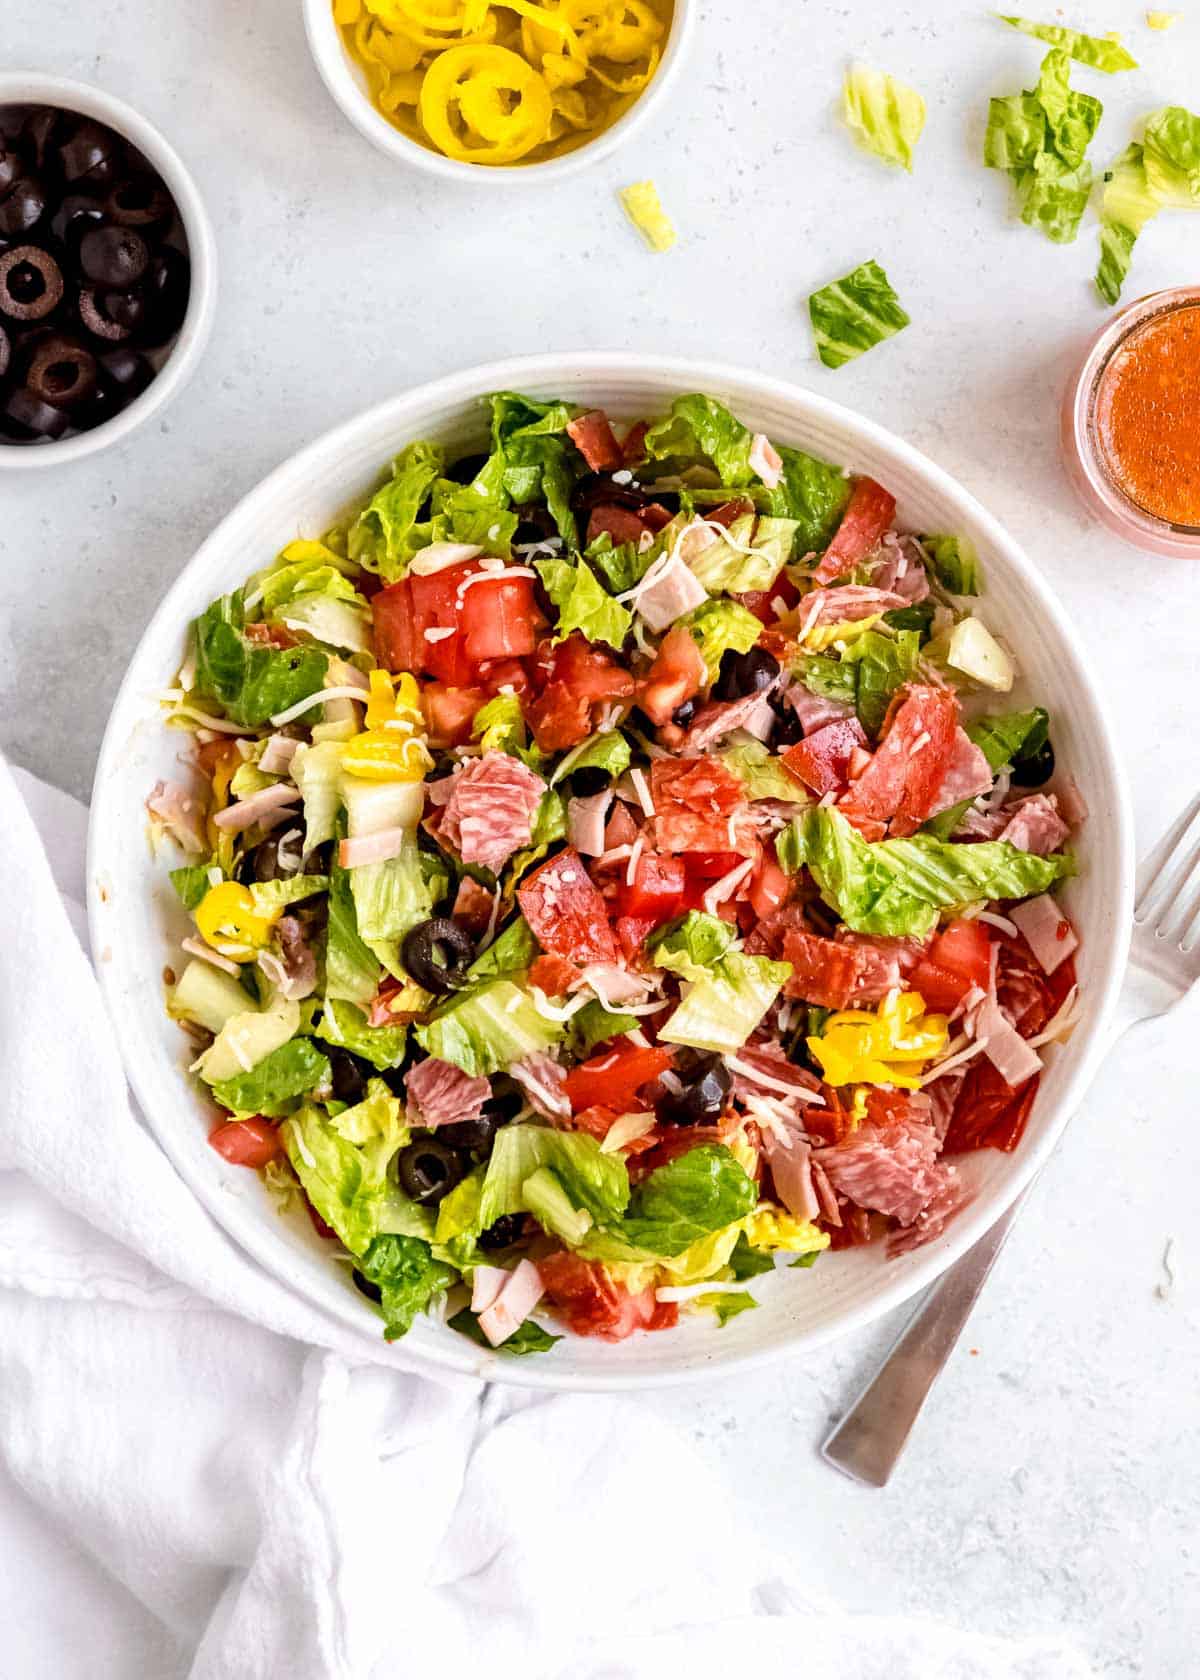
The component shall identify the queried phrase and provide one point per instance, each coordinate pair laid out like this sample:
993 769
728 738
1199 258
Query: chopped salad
617 869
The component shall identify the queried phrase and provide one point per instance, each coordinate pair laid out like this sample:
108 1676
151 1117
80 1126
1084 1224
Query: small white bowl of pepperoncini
515 90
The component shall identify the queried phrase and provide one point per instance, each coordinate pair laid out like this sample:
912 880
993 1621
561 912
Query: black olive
682 716
466 468
706 1086
61 371
1036 770
41 419
125 309
316 862
5 351
92 154
264 860
436 953
31 283
97 322
535 523
167 286
474 1136
38 133
113 256
12 167
787 729
131 374
428 1169
72 219
349 1079
507 1230
743 674
365 1287
23 207
589 780
598 489
140 201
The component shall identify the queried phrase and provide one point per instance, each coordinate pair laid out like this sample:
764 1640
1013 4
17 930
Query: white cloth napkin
202 1476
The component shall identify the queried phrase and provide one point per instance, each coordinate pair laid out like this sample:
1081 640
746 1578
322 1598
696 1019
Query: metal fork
1164 962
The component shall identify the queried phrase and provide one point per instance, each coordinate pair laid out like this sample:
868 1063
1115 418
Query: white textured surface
1053 1480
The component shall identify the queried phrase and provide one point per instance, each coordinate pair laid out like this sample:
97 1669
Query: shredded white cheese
344 691
642 789
727 885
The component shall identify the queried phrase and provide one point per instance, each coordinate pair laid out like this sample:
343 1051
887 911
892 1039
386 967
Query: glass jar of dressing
1131 424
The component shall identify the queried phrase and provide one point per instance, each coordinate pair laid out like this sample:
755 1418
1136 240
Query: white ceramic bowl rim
573 372
30 87
334 67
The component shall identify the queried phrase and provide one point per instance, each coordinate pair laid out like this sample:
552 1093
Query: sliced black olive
31 283
38 132
91 154
97 322
428 1169
507 1230
125 309
12 167
349 1077
535 523
365 1287
474 1136
598 489
588 781
140 201
682 716
787 729
23 207
466 468
437 953
131 374
5 351
39 418
113 256
167 286
743 674
1036 770
316 862
72 219
706 1084
61 371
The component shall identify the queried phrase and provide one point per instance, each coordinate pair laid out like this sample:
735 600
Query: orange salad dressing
1148 416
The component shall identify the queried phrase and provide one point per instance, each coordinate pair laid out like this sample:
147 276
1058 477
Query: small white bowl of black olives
107 271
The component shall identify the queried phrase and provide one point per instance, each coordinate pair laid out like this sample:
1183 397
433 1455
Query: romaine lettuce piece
688 1199
899 886
853 314
527 1338
317 772
249 682
828 677
1072 117
345 1025
192 883
619 567
699 427
516 416
583 604
335 623
500 725
1016 132
1053 196
1002 740
955 564
1096 51
762 774
608 751
486 1030
721 627
748 556
884 664
510 953
246 1039
408 1278
346 1182
549 1203
390 898
692 945
384 537
352 969
596 1182
271 897
1172 157
722 1010
885 115
813 493
276 1081
540 466
1128 204
595 1025
1039 139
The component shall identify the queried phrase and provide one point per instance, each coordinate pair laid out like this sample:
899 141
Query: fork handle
869 1439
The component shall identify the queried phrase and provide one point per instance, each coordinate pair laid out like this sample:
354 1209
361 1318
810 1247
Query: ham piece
440 1094
490 814
512 1306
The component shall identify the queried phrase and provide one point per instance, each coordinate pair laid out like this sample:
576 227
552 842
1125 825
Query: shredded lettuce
595 1025
721 1010
1172 157
688 1199
699 427
885 115
385 536
884 664
390 898
762 775
499 726
583 604
813 493
853 314
726 566
527 1338
595 1182
620 567
1040 139
351 968
692 945
273 1083
1096 51
721 627
955 564
510 953
899 886
346 1025
249 682
1128 204
344 1177
408 1278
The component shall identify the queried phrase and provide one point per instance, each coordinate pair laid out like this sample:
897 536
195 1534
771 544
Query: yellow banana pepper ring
226 915
485 104
631 84
374 43
385 755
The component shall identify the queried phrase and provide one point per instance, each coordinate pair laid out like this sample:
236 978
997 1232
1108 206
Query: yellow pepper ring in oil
502 105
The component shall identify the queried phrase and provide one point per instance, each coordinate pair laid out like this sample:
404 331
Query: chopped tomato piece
324 1231
495 674
449 712
405 611
898 789
725 515
596 442
959 958
822 760
246 1143
562 906
869 513
552 975
614 1079
593 1304
596 1121
656 891
396 629
764 603
633 448
559 719
678 672
769 887
579 676
500 619
633 931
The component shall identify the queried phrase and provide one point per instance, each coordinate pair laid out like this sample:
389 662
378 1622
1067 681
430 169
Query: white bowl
134 918
346 82
28 87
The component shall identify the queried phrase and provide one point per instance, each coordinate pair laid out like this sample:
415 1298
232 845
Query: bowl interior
347 83
135 919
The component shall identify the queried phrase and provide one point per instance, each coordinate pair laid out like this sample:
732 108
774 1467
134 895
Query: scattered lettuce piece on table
1172 157
644 208
1098 52
852 315
885 115
899 886
1040 139
1127 205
